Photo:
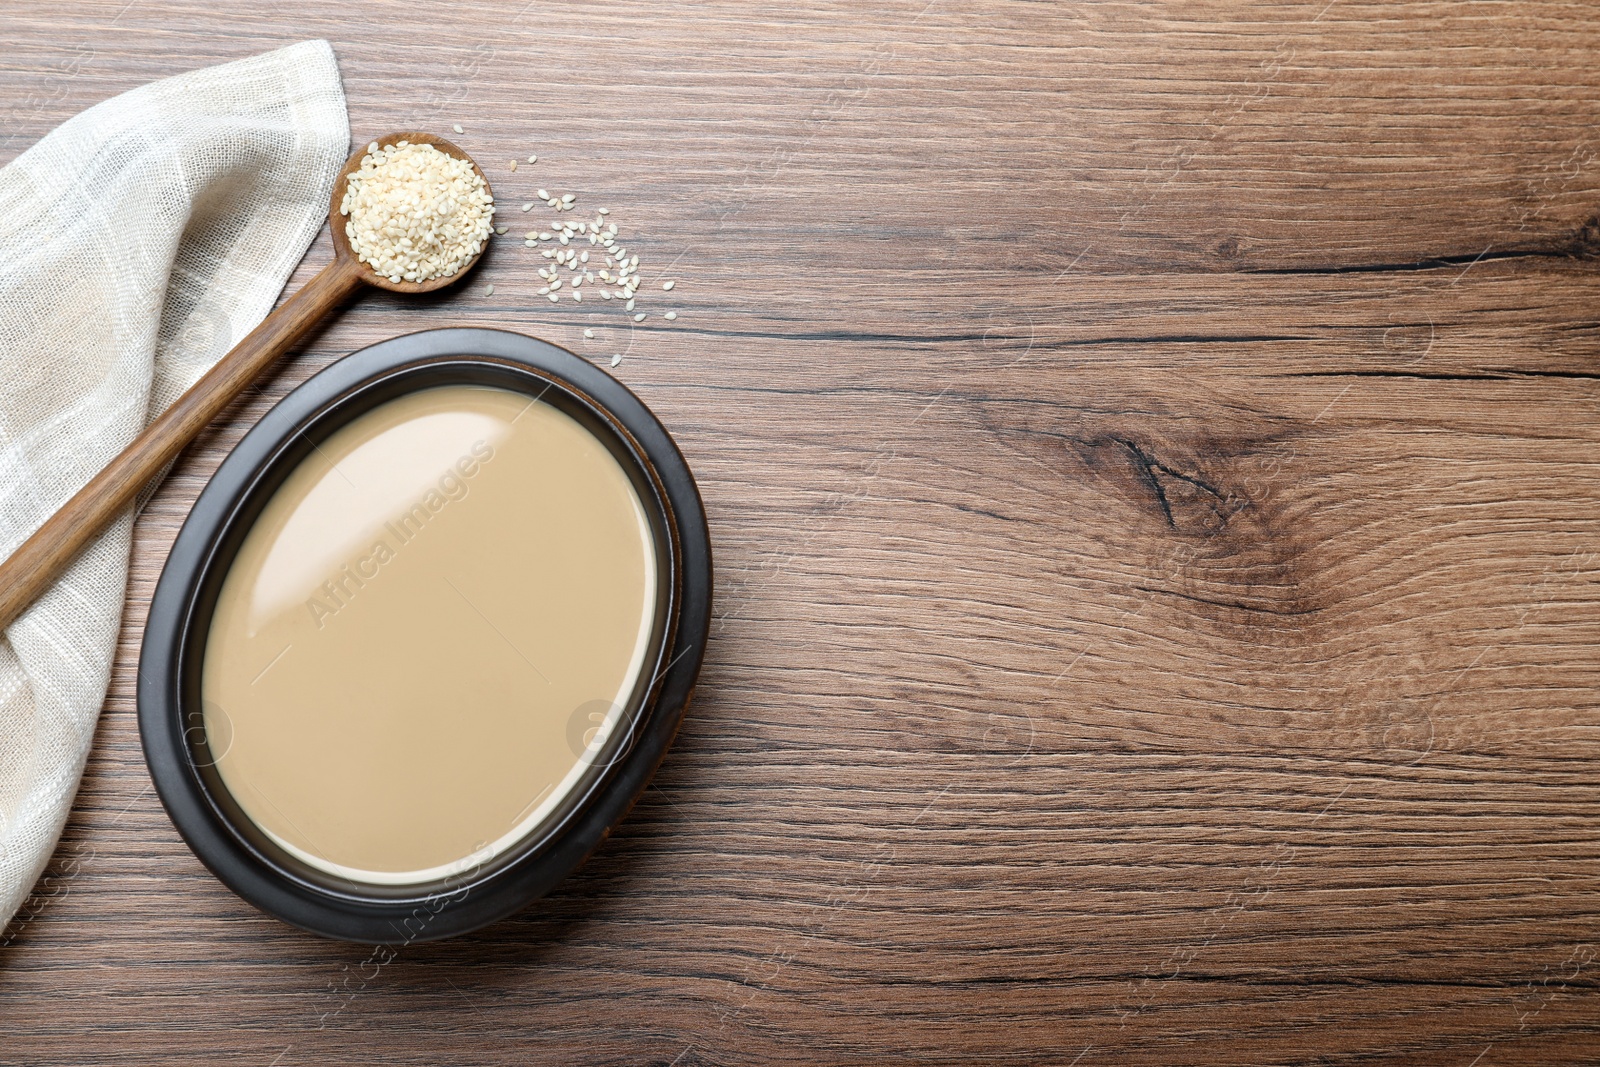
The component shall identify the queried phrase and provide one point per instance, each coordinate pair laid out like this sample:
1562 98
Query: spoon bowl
337 221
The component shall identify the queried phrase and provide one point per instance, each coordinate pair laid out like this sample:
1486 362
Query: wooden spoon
40 559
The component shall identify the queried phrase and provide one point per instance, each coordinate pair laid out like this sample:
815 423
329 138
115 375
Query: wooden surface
1151 452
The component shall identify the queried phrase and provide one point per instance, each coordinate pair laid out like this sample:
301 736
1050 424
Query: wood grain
1151 452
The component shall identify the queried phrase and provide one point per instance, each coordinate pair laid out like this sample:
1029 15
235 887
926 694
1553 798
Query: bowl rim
180 611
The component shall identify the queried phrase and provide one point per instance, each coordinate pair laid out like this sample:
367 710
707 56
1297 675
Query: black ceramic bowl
171 722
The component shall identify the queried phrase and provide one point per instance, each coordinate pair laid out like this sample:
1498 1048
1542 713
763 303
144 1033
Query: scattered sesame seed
605 294
547 253
556 284
667 286
502 229
603 210
583 257
527 207
457 128
489 291
639 317
578 296
671 315
629 306
554 297
543 195
533 159
544 290
569 198
589 334
616 359
513 166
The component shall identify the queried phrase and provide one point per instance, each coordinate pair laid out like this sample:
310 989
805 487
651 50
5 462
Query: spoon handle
40 559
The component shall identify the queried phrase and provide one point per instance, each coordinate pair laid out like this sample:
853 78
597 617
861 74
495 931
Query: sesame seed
667 286
603 210
527 207
544 290
569 198
629 305
555 284
616 359
457 128
533 159
639 317
542 194
513 166
489 291
578 296
502 229
589 334
671 315
583 257
605 294
554 297
547 253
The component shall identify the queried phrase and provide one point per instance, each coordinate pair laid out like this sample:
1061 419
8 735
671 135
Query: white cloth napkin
139 242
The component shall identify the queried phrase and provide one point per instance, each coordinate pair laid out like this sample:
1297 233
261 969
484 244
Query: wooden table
1151 454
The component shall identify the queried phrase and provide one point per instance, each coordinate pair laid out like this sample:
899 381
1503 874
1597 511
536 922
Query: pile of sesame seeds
416 213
